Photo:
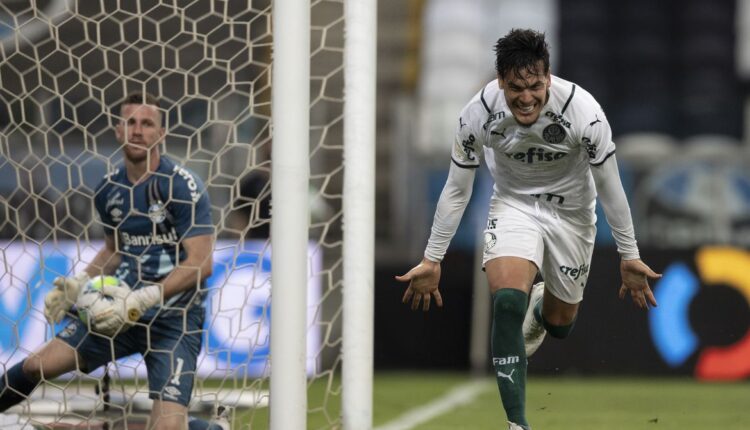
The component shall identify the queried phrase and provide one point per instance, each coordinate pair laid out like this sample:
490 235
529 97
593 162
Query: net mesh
64 65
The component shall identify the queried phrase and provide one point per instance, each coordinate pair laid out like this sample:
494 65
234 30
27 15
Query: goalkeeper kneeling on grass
159 241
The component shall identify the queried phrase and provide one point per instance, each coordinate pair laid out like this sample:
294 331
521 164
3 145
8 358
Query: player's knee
168 416
510 303
558 331
32 368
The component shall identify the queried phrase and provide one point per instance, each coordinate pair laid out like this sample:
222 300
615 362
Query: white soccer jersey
548 160
545 162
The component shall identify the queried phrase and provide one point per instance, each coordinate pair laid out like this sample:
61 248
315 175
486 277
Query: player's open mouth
527 109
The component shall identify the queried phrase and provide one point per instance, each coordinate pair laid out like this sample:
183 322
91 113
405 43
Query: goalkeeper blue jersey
148 221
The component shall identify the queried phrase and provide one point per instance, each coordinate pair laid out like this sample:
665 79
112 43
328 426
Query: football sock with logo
508 352
15 387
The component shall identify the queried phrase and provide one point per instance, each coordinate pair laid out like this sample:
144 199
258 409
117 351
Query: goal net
64 65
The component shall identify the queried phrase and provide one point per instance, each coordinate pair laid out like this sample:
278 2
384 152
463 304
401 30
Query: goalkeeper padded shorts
169 346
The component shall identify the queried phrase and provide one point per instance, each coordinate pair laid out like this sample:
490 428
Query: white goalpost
272 104
359 212
290 177
290 167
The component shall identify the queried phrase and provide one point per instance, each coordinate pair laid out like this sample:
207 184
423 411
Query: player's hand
635 275
128 306
423 282
61 298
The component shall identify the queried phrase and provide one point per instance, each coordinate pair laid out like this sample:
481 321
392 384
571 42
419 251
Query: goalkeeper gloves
128 306
63 296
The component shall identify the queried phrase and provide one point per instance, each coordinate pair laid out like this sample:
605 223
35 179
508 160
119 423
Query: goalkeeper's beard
136 153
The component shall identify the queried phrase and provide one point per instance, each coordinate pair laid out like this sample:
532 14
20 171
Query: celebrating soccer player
548 145
159 243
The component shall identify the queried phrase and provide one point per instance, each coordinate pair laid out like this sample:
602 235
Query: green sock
508 352
538 312
556 331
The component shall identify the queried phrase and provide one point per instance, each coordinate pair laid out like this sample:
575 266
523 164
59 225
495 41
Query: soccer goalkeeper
159 241
548 146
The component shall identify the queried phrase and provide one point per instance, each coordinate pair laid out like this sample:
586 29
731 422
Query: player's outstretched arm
635 276
423 282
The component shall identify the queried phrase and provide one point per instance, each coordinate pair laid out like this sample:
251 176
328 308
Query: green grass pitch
553 403
612 404
563 403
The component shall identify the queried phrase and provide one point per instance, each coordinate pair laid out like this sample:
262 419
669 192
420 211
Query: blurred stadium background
671 75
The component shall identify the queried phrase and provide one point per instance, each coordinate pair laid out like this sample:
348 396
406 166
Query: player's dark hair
521 50
141 98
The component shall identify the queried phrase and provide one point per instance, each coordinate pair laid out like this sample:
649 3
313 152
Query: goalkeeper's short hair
141 98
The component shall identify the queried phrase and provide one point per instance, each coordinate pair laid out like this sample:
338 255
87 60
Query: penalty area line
459 396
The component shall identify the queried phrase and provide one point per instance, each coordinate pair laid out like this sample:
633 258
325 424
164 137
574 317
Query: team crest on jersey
553 133
157 213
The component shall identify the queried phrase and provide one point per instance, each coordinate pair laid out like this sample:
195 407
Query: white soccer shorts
561 248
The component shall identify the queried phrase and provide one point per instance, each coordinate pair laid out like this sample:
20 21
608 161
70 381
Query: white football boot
533 331
514 426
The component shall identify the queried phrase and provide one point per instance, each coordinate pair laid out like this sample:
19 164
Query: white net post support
359 212
290 176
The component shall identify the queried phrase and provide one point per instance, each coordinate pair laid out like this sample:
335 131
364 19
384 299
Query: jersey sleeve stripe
605 159
465 166
484 102
572 93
